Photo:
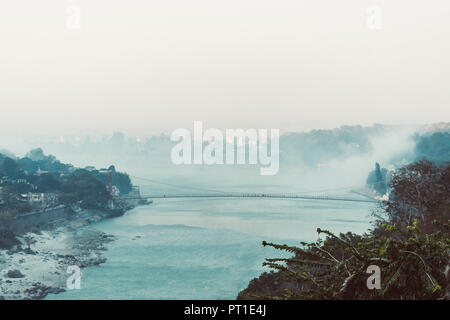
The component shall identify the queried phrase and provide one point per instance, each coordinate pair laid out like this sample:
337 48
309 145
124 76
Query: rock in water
15 274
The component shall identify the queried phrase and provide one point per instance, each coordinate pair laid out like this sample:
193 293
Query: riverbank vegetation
38 183
40 180
410 243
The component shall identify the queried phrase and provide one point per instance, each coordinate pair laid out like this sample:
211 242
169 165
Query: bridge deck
253 195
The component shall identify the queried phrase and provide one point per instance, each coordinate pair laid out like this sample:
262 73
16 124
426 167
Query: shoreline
31 273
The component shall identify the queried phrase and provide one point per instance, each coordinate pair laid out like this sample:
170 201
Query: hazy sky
146 66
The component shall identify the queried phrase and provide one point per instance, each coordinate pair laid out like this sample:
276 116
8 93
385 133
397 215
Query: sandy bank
42 269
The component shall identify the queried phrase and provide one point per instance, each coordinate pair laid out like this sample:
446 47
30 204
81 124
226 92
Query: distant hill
313 148
437 127
321 146
8 154
434 147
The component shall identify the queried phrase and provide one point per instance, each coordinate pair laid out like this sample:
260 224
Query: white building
35 197
115 192
43 199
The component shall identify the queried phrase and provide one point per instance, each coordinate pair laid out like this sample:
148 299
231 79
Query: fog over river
208 248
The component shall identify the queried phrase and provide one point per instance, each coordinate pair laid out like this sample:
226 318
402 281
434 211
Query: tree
120 180
10 168
21 188
27 165
411 245
420 190
29 240
378 175
48 183
412 264
35 154
86 190
377 179
435 147
7 237
5 219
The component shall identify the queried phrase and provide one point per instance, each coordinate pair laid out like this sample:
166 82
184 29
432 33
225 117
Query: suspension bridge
210 193
251 195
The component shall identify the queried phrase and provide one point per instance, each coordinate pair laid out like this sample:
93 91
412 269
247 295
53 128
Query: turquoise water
205 248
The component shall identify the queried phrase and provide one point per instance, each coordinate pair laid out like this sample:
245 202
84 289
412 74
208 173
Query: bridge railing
254 195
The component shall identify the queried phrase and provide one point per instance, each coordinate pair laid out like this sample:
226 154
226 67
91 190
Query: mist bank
316 159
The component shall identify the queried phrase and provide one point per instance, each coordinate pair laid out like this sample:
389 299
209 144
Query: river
205 248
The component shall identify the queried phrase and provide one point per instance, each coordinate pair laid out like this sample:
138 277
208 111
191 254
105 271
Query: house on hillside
41 199
20 181
115 192
39 171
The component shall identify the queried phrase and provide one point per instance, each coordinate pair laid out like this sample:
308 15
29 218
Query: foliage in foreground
411 246
412 265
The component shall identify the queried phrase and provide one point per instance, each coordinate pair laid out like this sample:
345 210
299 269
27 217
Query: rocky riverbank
32 272
40 253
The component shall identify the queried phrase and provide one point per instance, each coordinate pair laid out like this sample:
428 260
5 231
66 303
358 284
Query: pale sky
145 66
